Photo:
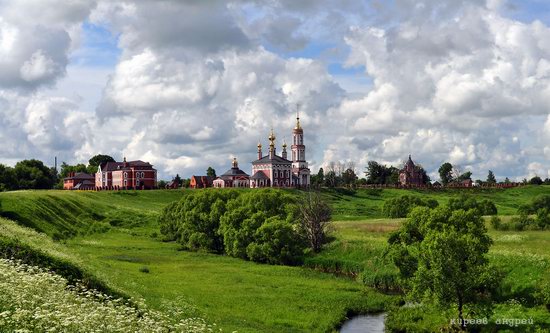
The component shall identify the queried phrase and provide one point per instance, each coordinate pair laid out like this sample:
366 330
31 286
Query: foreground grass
235 294
33 299
115 236
126 255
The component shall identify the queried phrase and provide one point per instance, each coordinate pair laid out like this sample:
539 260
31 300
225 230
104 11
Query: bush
466 202
194 220
496 222
542 220
401 206
144 269
539 202
243 225
257 225
275 242
521 222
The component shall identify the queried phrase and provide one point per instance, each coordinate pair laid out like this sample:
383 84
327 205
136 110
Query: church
272 170
411 174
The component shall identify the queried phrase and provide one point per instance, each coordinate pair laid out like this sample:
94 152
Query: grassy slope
243 295
367 203
235 294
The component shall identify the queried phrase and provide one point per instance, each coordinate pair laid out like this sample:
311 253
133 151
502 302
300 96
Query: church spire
297 116
271 144
259 150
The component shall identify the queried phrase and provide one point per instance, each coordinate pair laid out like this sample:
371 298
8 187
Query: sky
191 84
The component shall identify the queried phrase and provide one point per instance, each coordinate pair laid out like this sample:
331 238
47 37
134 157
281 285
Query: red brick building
201 181
79 181
411 175
137 175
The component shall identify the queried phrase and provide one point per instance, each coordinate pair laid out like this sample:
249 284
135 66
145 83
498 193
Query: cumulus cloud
199 82
458 70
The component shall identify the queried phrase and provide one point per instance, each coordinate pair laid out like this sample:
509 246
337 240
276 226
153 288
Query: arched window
125 175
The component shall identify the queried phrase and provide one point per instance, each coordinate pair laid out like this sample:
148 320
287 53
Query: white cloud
451 81
460 71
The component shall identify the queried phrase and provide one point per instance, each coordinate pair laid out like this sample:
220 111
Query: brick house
78 181
201 181
137 175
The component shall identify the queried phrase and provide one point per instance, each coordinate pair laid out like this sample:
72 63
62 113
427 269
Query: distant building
173 184
201 181
411 175
273 170
234 177
137 175
79 181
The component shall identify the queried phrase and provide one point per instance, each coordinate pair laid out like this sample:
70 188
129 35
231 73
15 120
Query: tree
380 174
424 174
330 179
445 173
535 181
349 177
399 207
321 176
491 178
441 254
315 215
33 174
8 179
464 176
178 180
210 172
97 160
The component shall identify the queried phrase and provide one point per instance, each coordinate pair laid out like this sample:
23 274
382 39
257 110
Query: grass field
234 294
115 237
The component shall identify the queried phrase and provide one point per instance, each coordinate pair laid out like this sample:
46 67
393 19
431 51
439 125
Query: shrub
542 220
144 269
194 220
539 202
496 222
521 222
256 225
467 202
276 242
401 206
242 224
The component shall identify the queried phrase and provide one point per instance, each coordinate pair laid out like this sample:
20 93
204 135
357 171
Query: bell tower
299 165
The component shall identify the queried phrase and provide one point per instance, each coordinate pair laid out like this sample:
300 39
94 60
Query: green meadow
112 239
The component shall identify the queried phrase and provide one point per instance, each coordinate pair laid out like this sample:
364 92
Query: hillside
111 239
115 236
367 203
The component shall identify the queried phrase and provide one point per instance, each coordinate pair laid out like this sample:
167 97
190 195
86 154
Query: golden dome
272 137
